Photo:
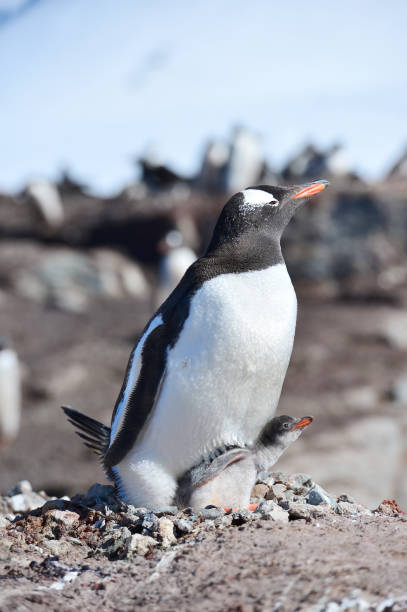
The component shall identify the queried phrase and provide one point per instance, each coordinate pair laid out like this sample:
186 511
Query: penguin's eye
286 425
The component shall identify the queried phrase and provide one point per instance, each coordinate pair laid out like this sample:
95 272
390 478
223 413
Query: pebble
172 510
183 525
24 486
116 543
296 511
276 491
64 517
260 491
166 532
346 498
271 510
24 502
17 503
149 523
140 545
299 483
242 516
4 522
317 496
212 513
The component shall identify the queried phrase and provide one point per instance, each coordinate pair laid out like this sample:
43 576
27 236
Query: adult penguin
208 369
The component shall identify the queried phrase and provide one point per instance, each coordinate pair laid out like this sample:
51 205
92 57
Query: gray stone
317 496
322 510
4 522
64 517
58 547
346 498
116 542
171 510
149 523
33 500
17 503
23 502
272 511
212 513
183 525
166 532
277 491
265 478
298 482
140 544
242 516
259 491
349 509
296 511
133 511
24 486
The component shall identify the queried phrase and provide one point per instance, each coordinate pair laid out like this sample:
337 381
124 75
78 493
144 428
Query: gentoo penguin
176 259
208 369
47 201
10 393
227 478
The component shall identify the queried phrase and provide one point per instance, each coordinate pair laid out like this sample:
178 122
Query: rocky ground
300 549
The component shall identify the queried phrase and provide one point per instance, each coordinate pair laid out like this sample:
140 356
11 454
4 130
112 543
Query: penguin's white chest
224 374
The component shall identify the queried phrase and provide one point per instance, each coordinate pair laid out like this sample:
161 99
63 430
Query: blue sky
89 84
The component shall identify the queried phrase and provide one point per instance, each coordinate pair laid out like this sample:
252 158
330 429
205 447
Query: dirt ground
262 565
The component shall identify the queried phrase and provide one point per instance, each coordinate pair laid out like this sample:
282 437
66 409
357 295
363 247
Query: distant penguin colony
204 380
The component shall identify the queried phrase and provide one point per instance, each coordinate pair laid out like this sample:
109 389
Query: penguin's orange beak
303 422
310 189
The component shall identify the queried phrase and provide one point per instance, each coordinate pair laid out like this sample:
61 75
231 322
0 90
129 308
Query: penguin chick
276 437
228 479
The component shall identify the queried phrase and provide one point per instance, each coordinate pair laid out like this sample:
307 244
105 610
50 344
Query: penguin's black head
283 430
260 214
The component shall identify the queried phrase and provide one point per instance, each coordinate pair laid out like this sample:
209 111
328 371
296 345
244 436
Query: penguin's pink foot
251 507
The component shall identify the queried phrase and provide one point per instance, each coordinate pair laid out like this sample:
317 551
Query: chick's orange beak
304 422
311 189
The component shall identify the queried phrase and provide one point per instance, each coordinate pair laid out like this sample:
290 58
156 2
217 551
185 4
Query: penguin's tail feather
95 435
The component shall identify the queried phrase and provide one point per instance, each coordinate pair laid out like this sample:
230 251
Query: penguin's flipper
96 436
199 478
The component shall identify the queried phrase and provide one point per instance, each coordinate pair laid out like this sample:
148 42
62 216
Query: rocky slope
300 549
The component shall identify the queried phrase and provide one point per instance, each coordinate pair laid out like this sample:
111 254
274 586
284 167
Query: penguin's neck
251 250
267 456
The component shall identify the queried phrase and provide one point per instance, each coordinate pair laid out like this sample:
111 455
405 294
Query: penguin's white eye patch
253 198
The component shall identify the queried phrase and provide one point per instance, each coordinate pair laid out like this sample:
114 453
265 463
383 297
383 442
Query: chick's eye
286 425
